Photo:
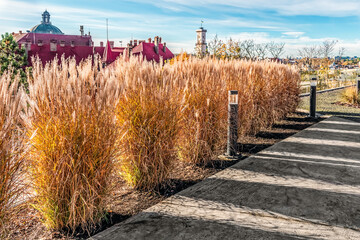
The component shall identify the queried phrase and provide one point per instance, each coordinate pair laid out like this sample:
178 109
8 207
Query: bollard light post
313 82
233 108
358 85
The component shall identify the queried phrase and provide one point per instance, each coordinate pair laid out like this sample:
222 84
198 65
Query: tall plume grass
267 92
203 125
12 149
148 113
137 118
73 136
181 108
350 95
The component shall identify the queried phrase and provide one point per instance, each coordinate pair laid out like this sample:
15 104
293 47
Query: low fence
327 90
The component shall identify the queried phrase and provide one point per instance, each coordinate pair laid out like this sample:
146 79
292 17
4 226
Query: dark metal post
313 97
232 146
358 85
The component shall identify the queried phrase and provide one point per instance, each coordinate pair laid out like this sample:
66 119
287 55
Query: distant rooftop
46 26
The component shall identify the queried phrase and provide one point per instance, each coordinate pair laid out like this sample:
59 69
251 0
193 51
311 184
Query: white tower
201 41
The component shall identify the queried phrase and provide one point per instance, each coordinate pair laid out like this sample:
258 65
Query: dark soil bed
126 202
347 104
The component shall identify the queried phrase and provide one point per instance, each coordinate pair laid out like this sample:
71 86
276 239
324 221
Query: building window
53 46
40 43
62 43
72 43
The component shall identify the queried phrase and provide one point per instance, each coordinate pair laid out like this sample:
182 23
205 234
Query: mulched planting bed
127 202
347 104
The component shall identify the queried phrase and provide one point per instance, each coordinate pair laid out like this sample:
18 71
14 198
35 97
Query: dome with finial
46 26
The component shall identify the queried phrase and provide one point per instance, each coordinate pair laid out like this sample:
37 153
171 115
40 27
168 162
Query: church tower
46 17
201 44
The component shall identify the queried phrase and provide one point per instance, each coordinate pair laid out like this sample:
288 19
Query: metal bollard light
233 108
313 83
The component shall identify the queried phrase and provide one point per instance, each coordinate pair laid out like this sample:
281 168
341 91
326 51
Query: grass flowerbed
137 121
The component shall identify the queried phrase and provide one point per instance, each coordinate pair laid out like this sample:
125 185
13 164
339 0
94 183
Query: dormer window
53 45
72 43
62 43
40 43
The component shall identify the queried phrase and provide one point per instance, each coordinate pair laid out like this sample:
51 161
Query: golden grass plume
12 149
73 136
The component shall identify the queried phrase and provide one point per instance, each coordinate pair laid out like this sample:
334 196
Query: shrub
12 149
73 138
12 57
350 95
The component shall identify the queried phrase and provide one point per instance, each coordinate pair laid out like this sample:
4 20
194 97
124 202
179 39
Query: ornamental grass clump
12 149
73 136
203 120
267 92
148 113
350 95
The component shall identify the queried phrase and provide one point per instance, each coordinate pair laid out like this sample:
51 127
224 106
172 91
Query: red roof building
47 41
151 50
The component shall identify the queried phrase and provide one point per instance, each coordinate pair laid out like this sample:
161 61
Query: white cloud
285 7
293 34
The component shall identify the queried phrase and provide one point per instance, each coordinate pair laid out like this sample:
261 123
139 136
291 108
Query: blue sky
298 23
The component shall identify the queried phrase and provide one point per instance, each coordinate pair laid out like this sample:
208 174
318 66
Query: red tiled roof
148 50
46 38
111 54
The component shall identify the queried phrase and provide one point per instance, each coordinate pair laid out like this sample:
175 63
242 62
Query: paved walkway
304 187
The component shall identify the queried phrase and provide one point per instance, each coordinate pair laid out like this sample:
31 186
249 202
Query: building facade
47 42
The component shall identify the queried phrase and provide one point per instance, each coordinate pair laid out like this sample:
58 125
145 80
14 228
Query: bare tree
261 50
327 48
248 47
341 52
309 52
214 45
276 49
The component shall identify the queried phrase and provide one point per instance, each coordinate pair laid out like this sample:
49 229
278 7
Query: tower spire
46 17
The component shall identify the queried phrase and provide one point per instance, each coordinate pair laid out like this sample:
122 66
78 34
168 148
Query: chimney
164 47
135 43
20 32
149 40
101 44
129 49
160 40
156 42
111 44
81 30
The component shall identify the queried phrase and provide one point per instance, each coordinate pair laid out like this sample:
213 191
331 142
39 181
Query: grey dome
46 26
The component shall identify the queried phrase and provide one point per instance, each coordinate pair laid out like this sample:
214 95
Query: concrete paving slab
304 187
